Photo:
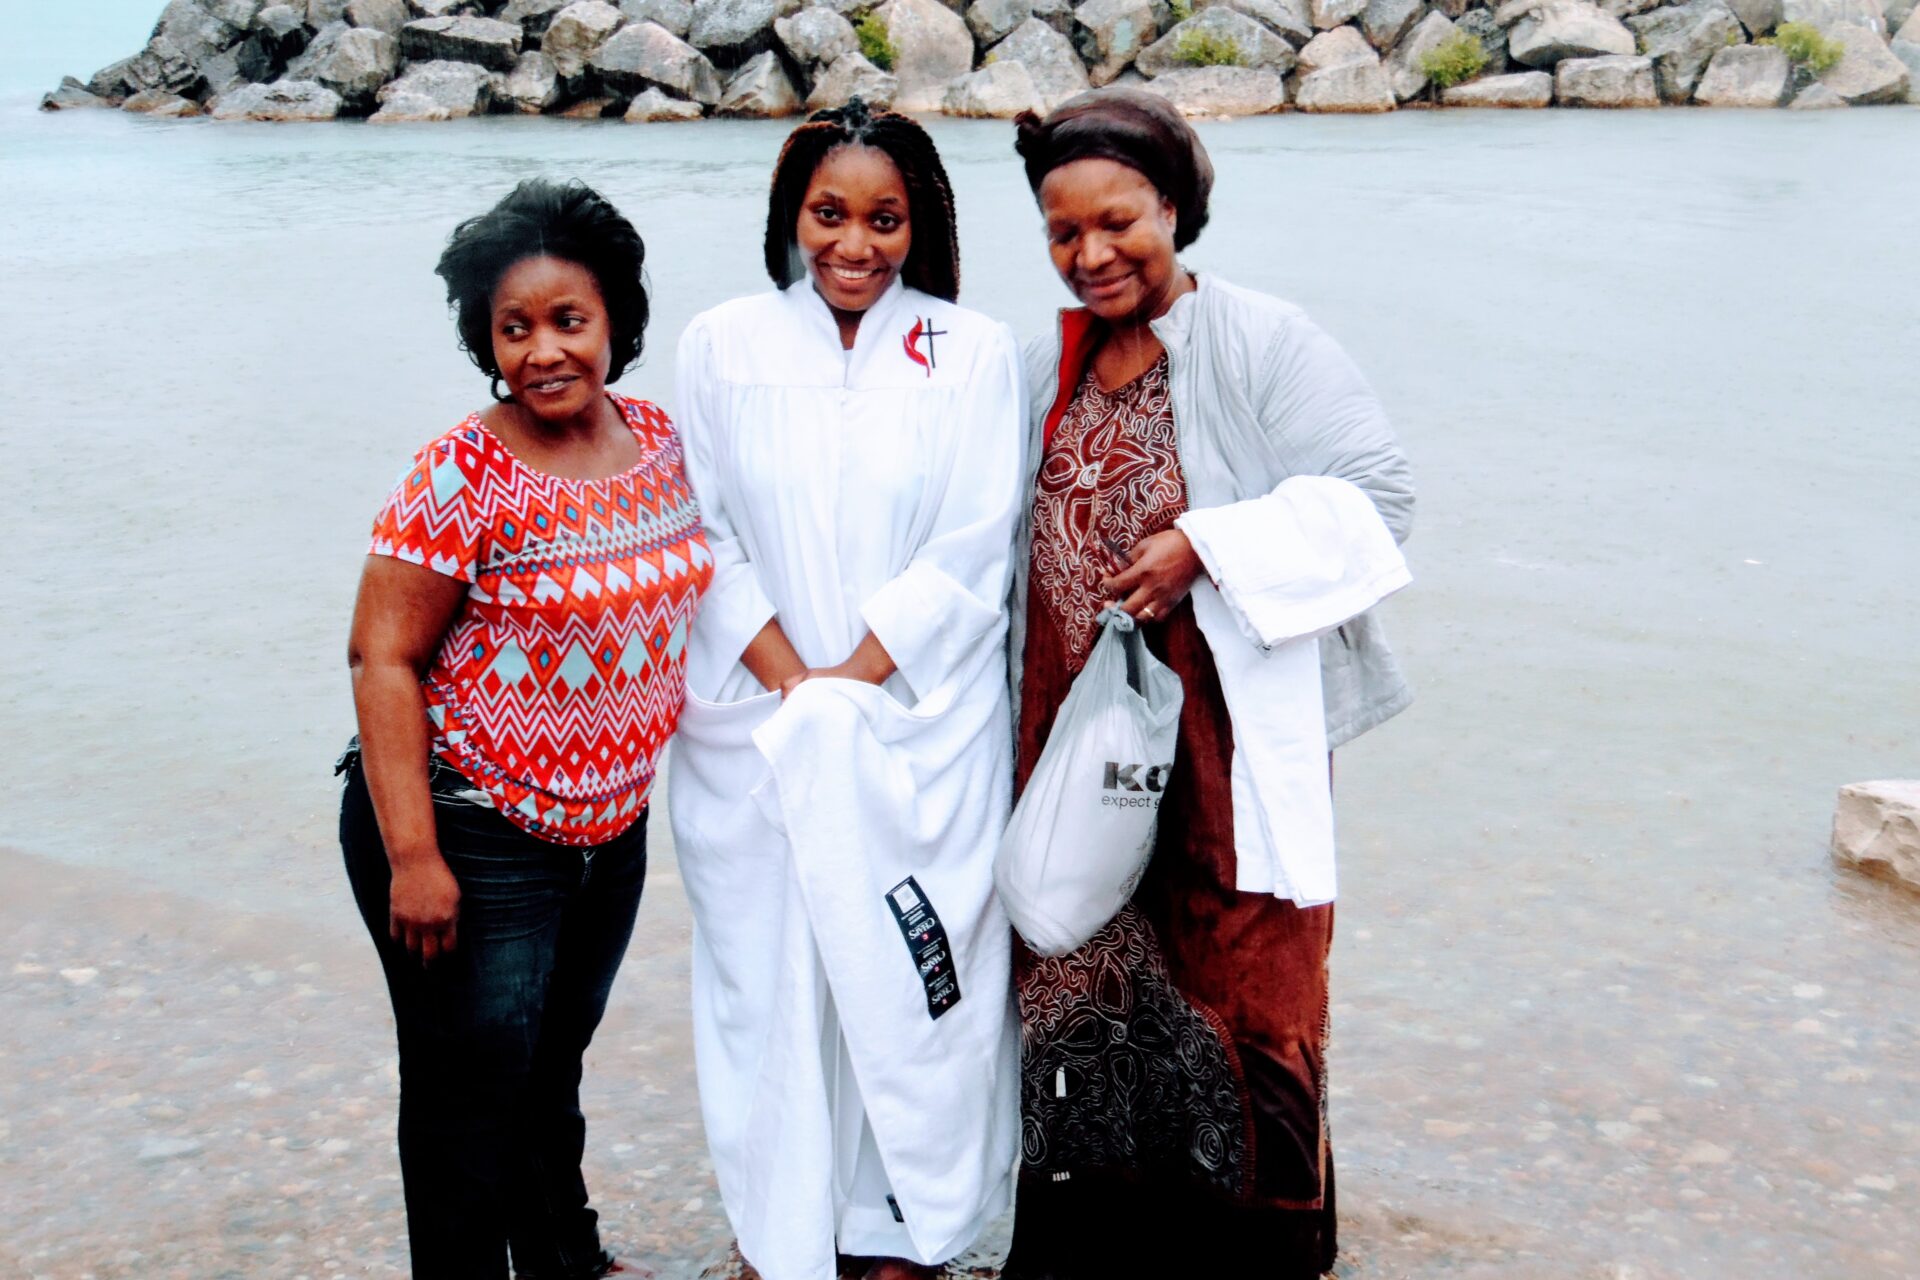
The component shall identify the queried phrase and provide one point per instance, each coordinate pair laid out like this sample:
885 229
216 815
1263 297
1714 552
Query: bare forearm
394 747
870 662
771 657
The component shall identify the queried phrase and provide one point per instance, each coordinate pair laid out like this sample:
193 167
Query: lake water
1601 1002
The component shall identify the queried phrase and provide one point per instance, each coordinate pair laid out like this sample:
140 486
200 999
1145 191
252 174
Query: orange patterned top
562 677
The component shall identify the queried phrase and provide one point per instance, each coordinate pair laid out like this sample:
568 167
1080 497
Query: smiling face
552 337
853 231
1110 233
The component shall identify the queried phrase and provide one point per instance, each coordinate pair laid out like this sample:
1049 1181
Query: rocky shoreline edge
666 60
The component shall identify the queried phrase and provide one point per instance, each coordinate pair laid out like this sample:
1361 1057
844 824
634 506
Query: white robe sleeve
736 606
1298 561
932 614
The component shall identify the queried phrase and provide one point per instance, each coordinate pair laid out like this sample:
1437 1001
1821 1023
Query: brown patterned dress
1173 1083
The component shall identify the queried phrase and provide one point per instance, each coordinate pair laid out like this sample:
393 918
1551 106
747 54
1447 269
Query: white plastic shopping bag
1080 838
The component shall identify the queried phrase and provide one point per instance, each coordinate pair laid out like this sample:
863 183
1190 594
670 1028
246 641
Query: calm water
1599 997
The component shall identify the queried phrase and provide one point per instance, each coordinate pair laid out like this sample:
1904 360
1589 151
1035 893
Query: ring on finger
1146 611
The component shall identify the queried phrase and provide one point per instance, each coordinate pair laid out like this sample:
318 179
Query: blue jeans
492 1036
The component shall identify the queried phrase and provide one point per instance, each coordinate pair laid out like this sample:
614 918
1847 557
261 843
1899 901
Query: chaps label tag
927 944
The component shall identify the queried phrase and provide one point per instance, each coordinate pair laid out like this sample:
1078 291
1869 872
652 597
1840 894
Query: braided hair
933 260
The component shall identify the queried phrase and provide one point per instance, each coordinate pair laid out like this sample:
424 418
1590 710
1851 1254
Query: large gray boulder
1385 21
1876 829
1524 89
815 36
1746 75
382 15
1222 91
533 86
654 105
1404 72
110 82
931 47
439 90
1109 35
281 100
1257 46
998 91
161 65
1908 51
301 67
357 64
1910 29
321 13
1757 16
280 33
675 15
648 54
533 17
576 34
992 21
158 102
1613 80
1479 24
72 96
196 32
1567 29
1898 13
1830 15
732 31
1816 97
1048 56
1336 48
851 75
1328 14
760 90
481 41
1288 19
1350 87
1681 39
1868 73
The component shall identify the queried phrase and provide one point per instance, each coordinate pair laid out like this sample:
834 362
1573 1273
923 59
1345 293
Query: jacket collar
1080 334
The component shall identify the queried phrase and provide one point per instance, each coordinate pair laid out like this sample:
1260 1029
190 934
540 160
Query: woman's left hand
1159 573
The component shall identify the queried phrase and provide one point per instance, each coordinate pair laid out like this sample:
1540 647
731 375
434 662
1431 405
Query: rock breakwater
670 60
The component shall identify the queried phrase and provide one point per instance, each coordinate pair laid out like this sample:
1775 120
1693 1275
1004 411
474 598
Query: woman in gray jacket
1174 1067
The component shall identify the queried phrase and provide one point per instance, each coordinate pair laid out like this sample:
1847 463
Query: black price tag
927 944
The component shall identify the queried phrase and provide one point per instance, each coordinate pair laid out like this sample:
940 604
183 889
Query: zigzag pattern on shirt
560 682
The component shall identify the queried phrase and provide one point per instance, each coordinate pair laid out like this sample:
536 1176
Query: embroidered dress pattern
562 678
1110 477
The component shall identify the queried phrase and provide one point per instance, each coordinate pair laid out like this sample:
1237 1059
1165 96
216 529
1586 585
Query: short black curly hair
539 219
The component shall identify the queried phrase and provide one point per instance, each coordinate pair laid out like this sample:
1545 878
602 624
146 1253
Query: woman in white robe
842 772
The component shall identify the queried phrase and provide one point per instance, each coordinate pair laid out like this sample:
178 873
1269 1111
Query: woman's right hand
423 907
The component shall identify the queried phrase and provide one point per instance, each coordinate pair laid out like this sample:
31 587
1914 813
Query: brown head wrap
1140 130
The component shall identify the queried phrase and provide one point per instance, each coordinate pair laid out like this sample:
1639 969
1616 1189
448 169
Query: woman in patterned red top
518 665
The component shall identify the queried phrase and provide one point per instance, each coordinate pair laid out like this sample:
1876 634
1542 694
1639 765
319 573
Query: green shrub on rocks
1805 46
1455 60
876 46
1181 9
1205 49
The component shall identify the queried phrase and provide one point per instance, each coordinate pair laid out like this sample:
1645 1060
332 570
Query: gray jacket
1259 393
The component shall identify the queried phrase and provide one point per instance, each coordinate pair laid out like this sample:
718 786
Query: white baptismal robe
844 492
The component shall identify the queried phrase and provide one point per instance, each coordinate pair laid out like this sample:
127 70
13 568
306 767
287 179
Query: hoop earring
493 385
